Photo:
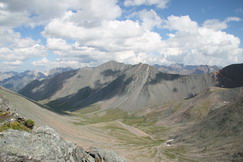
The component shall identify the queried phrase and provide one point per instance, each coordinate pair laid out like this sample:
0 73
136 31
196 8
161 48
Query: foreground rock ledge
44 144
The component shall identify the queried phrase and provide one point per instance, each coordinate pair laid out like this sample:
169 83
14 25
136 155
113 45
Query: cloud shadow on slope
51 86
164 76
230 76
88 96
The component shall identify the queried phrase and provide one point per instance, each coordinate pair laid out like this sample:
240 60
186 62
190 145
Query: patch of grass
177 106
201 109
178 153
134 120
43 102
128 138
89 109
93 115
4 113
170 155
29 123
14 125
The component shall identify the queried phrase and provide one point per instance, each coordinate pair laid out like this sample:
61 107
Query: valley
141 113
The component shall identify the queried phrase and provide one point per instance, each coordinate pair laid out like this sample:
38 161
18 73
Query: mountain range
142 113
16 81
116 85
187 69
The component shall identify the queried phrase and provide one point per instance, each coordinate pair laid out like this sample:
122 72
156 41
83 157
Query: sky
45 34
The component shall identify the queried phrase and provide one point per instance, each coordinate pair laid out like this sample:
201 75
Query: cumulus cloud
8 18
180 23
81 33
194 44
57 44
132 41
47 64
219 25
158 3
16 49
104 42
14 63
36 12
149 18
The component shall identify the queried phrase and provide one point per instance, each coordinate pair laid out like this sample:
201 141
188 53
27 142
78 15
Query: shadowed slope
231 76
39 90
116 85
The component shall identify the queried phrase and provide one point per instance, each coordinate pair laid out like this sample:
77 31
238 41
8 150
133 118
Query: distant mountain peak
187 69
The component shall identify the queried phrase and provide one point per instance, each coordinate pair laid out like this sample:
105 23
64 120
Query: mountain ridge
187 69
17 80
184 117
119 85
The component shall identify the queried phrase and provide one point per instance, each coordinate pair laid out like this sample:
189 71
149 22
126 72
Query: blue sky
43 34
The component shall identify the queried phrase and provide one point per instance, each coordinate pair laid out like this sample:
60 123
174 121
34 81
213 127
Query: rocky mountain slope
199 117
231 76
55 71
116 85
6 75
187 69
16 81
218 135
19 143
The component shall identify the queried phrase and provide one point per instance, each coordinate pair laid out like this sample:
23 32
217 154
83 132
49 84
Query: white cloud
14 63
57 44
41 62
47 64
35 12
104 42
202 45
180 23
149 18
158 3
239 10
14 48
229 19
215 24
8 18
132 42
81 33
219 25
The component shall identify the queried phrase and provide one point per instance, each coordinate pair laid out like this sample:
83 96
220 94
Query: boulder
105 155
44 144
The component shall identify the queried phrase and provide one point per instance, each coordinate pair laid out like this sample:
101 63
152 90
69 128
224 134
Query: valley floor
138 137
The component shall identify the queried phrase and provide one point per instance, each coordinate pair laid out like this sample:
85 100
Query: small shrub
13 125
4 113
29 123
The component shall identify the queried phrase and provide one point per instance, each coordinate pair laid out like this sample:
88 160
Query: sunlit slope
116 85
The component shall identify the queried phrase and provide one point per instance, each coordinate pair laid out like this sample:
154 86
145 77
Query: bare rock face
4 104
231 76
44 144
104 155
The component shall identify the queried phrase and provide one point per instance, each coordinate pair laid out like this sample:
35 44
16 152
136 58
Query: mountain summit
117 85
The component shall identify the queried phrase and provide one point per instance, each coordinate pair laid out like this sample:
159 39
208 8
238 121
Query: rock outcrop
19 143
44 144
